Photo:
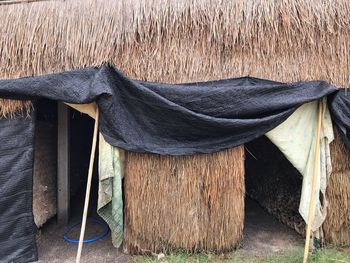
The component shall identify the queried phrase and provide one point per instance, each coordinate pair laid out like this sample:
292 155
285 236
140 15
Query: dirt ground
263 236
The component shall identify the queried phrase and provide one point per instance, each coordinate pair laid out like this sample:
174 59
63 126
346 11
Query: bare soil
263 236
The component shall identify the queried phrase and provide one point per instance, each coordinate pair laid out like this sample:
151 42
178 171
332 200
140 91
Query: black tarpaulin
17 228
339 105
178 119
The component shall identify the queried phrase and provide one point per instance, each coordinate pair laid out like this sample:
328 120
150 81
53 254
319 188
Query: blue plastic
90 240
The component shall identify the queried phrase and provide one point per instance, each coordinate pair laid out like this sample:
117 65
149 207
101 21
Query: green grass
329 255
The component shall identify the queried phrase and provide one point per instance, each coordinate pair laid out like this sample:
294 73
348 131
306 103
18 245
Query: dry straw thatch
179 41
44 179
184 202
337 224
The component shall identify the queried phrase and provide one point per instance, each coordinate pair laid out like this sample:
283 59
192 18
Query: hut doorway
81 133
62 149
77 131
272 183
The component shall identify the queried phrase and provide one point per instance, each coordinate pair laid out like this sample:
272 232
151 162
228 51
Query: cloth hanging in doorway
296 138
110 193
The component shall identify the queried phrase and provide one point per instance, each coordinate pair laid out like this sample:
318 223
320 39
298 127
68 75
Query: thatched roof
180 40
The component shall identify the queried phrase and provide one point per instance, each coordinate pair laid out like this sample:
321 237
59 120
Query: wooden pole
88 188
63 164
314 177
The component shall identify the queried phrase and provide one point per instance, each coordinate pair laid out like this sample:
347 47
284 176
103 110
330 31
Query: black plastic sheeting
17 227
339 105
179 119
145 117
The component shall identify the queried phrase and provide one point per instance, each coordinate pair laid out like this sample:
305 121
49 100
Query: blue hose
90 240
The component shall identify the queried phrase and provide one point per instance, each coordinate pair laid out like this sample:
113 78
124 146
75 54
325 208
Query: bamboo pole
314 177
88 188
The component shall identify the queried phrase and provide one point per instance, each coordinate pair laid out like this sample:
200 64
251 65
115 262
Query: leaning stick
88 188
314 177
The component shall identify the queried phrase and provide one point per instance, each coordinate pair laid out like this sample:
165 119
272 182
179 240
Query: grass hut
183 41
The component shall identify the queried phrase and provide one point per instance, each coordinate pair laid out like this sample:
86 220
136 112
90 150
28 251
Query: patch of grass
329 255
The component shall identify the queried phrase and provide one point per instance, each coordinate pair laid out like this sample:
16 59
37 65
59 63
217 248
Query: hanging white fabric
296 138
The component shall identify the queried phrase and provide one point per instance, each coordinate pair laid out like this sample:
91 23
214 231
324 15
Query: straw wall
184 202
44 175
337 224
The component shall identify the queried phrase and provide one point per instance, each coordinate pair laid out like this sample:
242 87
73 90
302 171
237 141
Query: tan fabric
89 109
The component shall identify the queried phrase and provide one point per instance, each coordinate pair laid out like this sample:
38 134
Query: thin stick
10 2
314 177
88 188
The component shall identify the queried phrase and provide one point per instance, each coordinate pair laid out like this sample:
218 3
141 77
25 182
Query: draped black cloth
17 228
180 119
150 117
339 105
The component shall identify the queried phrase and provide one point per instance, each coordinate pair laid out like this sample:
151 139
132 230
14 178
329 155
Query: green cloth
110 195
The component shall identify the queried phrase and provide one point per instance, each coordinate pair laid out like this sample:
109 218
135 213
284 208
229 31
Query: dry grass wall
45 172
337 224
184 202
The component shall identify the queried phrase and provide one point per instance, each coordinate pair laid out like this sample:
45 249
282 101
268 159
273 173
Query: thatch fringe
14 108
177 41
184 202
339 153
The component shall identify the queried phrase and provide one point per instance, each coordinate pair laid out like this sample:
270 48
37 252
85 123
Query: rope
314 177
88 188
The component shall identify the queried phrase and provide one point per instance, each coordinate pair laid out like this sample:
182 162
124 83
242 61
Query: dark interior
273 182
81 133
80 138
